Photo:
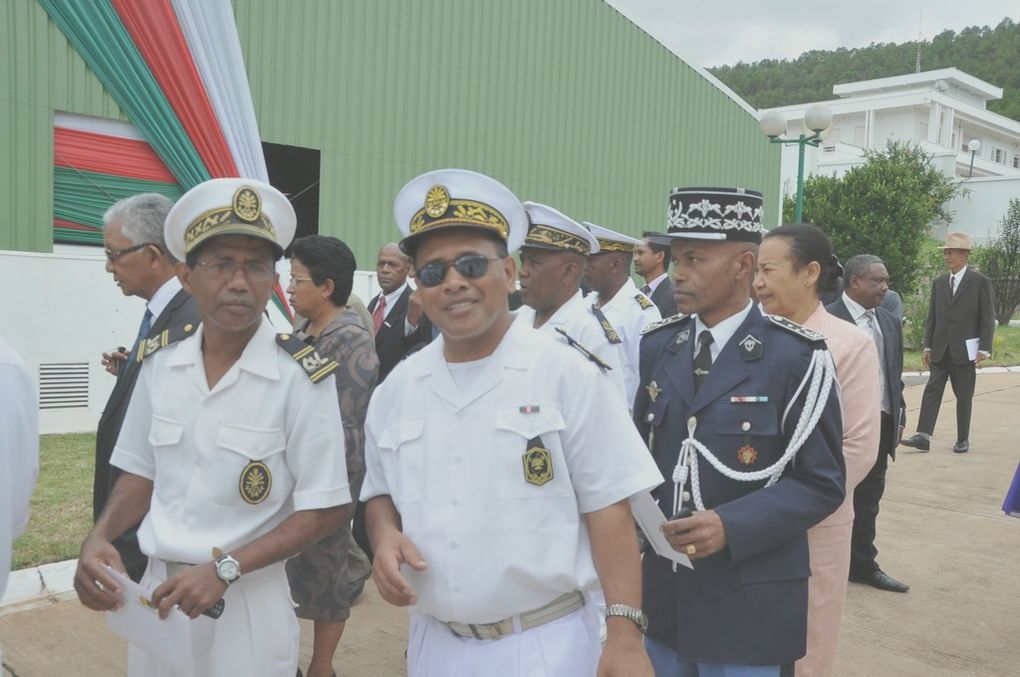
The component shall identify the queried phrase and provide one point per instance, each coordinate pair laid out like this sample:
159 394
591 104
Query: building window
1016 162
295 172
997 156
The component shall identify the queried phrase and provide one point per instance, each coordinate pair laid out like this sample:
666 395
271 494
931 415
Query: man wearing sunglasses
137 257
231 452
499 464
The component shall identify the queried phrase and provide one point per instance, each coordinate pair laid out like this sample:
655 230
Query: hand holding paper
648 516
138 622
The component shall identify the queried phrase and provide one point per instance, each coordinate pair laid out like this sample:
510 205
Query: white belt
554 610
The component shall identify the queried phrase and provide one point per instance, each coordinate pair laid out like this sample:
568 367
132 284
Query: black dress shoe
881 580
919 442
961 447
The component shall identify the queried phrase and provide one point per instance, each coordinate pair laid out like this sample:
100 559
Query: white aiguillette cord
822 373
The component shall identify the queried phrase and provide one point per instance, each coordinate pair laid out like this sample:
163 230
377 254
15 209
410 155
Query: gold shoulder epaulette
794 328
607 328
571 341
664 322
164 338
643 301
316 366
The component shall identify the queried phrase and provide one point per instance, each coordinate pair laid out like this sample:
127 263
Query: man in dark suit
400 326
720 401
651 261
867 282
958 336
137 257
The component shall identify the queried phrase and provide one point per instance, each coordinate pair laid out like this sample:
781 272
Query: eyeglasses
114 254
470 265
223 269
295 279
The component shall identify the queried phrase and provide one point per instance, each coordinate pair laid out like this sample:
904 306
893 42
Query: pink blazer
856 360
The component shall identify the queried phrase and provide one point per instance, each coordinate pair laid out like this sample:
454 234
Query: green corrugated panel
41 73
565 101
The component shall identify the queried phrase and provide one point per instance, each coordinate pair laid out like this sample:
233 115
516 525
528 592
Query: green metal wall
565 101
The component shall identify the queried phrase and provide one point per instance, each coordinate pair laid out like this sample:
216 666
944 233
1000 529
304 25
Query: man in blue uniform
741 414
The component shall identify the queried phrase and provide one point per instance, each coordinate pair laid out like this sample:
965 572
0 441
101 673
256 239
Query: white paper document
168 641
972 348
648 516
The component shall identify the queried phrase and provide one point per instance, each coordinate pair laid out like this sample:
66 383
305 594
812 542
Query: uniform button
458 459
692 421
455 587
461 414
686 496
453 545
455 501
745 426
650 417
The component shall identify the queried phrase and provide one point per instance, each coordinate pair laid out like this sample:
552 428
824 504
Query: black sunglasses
470 265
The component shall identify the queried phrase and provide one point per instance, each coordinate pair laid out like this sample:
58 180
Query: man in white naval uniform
615 294
231 449
499 464
554 257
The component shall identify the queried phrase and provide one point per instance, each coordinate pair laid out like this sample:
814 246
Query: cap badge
747 455
247 204
255 482
538 468
437 201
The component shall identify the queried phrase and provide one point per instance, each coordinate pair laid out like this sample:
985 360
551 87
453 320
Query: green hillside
992 54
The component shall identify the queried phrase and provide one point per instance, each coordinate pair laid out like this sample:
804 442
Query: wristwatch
627 611
227 568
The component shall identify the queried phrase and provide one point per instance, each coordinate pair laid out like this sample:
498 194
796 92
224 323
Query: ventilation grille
63 385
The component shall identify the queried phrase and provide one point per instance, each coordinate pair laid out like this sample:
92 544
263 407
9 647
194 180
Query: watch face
228 570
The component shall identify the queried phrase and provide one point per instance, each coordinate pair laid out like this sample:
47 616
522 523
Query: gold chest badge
538 468
747 454
255 482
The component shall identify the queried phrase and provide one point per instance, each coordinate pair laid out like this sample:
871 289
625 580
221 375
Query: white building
944 111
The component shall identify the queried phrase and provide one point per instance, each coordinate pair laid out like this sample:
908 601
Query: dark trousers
962 377
866 497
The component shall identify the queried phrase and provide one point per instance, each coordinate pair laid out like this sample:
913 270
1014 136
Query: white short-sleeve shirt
501 536
577 319
231 463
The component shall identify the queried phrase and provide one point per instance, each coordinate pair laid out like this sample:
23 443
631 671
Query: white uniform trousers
566 647
257 634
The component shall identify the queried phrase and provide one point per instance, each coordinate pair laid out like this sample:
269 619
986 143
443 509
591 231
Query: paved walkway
941 530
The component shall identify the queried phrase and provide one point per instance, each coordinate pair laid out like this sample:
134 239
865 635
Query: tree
1002 264
884 207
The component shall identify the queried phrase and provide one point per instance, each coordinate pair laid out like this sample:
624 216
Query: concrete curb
43 581
980 370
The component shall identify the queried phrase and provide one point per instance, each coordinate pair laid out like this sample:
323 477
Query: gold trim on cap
457 212
542 235
614 246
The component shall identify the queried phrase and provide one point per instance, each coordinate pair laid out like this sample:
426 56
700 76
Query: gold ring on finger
692 550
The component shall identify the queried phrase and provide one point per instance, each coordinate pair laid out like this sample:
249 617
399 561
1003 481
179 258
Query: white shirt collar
856 310
959 274
392 297
656 282
723 331
161 299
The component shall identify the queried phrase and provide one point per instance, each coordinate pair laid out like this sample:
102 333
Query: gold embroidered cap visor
552 229
448 198
610 240
229 206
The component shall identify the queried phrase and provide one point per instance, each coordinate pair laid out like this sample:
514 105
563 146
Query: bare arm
618 562
128 504
392 548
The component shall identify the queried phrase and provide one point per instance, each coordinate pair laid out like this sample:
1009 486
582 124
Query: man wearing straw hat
957 337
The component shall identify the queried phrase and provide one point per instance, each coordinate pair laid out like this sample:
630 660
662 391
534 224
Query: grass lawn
1005 351
62 502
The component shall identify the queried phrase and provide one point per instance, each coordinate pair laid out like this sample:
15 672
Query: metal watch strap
627 611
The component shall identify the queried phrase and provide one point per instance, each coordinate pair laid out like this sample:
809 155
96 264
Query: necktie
143 330
646 290
379 313
952 285
703 360
880 345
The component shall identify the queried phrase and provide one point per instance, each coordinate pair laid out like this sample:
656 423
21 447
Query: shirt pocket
250 467
171 475
529 460
402 452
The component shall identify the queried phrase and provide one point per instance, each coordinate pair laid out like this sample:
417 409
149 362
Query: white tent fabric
211 33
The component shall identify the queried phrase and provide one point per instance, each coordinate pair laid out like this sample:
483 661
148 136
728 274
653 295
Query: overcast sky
724 32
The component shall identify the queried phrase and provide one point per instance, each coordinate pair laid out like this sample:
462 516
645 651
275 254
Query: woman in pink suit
795 264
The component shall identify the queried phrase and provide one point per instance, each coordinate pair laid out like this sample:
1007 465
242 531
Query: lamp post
973 146
817 119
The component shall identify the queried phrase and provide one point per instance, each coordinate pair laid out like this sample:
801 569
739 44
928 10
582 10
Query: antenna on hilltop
920 39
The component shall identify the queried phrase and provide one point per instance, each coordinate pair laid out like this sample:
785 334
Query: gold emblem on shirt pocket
262 452
538 468
255 482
